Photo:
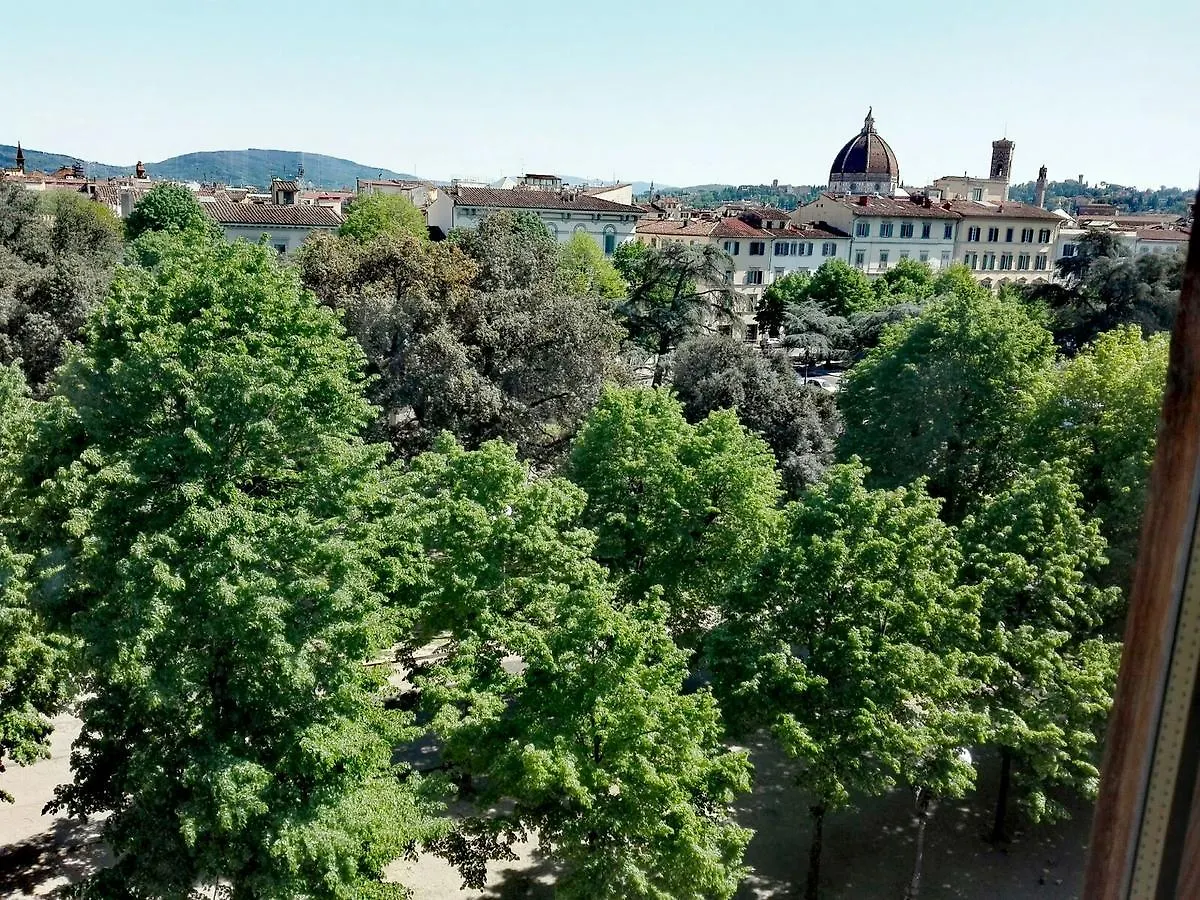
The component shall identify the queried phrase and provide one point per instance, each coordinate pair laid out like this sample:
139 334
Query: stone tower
20 159
1002 154
1040 197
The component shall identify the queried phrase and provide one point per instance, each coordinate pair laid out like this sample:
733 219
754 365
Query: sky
680 92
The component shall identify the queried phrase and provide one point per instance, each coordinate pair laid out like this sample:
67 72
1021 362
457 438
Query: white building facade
1003 242
285 227
884 230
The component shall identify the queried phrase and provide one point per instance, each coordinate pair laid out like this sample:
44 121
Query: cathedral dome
865 157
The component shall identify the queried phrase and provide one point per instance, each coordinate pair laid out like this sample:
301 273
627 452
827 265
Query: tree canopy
373 215
198 488
945 396
588 270
166 207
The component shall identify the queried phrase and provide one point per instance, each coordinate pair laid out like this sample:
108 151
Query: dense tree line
254 488
1065 194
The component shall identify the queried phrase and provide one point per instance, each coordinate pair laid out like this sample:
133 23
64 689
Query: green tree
57 255
371 215
687 508
1099 412
489 345
818 335
946 396
167 207
854 643
1035 556
840 289
569 709
200 489
588 270
908 281
790 290
675 293
34 683
867 329
800 423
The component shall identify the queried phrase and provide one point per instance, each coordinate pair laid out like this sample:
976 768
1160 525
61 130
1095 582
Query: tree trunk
998 827
914 886
660 371
812 887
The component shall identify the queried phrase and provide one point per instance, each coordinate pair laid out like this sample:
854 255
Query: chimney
1040 199
864 200
139 171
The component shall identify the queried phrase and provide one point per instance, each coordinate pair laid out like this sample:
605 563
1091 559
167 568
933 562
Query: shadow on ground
65 854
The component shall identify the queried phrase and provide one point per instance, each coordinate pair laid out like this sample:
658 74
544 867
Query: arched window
610 240
581 227
553 229
853 188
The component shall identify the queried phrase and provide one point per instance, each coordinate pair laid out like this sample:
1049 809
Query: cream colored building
884 230
1006 241
761 246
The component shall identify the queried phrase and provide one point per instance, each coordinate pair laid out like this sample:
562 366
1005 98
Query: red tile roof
732 227
516 198
227 213
1007 209
896 207
677 227
1164 234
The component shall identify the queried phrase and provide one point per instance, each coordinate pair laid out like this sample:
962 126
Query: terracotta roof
1164 234
408 183
810 232
228 213
605 188
279 184
516 198
1007 209
677 227
870 205
732 227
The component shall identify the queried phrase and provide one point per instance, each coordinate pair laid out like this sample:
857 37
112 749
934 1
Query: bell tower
20 159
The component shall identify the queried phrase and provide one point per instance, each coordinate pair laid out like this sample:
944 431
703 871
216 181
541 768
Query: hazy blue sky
681 92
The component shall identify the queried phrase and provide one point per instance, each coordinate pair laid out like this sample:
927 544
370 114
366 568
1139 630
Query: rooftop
1008 209
518 198
901 208
229 213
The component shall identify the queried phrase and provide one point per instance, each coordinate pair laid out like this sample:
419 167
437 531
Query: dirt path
868 852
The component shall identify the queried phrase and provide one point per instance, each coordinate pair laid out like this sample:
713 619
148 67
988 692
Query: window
610 240
906 229
733 247
778 272
829 249
977 193
883 259
725 330
1006 261
971 260
758 248
972 234
945 258
751 331
989 261
754 276
993 235
877 187
781 248
1008 234
810 248
860 258
1023 262
947 232
1039 263
1044 236
653 241
862 229
926 229
1069 250
885 229
1026 235
853 188
281 248
729 276
924 257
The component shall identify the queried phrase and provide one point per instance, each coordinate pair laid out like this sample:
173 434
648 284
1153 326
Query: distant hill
234 167
1126 199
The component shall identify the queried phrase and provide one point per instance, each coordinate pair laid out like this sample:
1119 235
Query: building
992 189
1161 240
762 246
286 226
865 165
564 210
1005 241
884 230
419 193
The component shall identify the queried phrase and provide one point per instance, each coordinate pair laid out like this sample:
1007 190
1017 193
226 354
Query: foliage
867 329
781 293
1105 288
800 423
840 289
1035 556
1065 194
199 489
493 345
854 643
908 281
374 214
588 270
686 508
56 258
818 335
675 292
1099 412
945 395
569 708
34 681
167 207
